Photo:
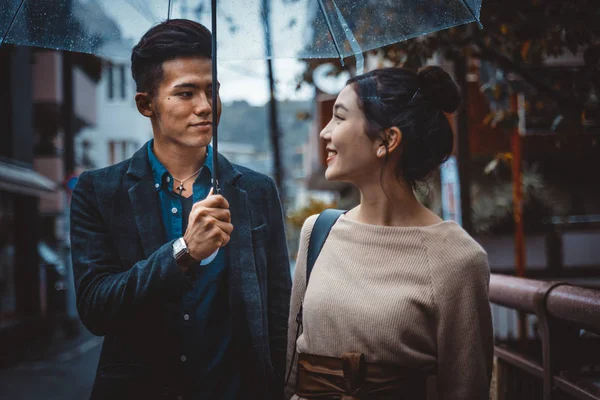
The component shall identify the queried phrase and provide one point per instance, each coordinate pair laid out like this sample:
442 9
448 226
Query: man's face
182 106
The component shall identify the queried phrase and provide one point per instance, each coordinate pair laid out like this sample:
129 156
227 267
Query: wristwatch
181 253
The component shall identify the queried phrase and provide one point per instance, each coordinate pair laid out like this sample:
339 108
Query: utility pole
463 151
517 173
517 107
273 123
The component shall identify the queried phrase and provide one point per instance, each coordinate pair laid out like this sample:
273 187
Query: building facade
47 97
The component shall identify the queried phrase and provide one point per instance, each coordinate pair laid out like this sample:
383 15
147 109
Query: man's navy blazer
129 286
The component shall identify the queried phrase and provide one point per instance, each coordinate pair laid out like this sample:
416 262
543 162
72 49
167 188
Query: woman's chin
330 175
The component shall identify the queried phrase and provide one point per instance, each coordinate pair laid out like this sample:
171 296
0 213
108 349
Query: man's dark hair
166 41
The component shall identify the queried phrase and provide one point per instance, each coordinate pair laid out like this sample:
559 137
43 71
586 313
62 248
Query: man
179 320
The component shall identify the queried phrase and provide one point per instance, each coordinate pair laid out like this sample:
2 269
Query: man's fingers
213 201
220 233
226 239
219 201
221 214
225 227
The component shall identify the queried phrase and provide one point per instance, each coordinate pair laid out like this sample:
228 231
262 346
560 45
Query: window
111 82
120 150
123 81
116 82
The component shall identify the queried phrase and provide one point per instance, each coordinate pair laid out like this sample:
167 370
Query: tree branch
504 62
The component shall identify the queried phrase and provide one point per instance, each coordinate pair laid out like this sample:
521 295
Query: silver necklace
181 181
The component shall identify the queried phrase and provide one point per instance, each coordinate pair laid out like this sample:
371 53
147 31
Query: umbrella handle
216 186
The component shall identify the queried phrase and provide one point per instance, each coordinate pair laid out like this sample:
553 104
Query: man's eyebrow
188 85
338 106
193 85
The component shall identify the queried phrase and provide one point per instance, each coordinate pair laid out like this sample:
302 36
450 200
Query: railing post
547 335
562 311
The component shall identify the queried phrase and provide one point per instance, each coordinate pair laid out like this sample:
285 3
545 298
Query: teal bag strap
318 236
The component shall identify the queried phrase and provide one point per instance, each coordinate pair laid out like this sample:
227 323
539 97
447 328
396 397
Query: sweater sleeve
464 334
298 290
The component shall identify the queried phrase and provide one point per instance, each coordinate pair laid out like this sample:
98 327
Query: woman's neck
397 205
180 161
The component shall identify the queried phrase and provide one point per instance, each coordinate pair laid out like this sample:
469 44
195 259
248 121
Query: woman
396 293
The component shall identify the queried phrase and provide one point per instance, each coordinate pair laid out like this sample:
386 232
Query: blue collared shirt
207 345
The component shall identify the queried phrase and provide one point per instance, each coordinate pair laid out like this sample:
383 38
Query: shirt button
157 185
186 317
174 210
183 358
168 179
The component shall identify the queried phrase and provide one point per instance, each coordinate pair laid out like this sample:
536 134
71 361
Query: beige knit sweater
410 296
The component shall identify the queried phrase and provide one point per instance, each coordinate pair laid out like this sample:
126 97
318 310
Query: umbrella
243 29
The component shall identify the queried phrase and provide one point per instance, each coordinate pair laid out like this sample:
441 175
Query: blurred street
65 371
517 173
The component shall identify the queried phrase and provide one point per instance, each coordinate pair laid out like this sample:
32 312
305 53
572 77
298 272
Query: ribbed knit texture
410 296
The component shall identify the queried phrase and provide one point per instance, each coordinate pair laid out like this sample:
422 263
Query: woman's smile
331 154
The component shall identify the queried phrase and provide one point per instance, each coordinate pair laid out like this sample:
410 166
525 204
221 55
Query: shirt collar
160 173
208 162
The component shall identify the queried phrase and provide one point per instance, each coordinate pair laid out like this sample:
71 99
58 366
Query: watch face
179 247
181 253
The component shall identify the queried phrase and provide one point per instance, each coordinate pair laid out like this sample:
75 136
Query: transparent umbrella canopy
242 29
297 28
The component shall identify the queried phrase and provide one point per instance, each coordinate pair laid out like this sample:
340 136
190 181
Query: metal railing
561 360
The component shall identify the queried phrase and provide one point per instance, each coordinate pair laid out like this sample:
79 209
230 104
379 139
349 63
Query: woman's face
351 154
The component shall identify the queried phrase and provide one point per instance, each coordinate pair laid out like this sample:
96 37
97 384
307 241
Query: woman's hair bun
440 88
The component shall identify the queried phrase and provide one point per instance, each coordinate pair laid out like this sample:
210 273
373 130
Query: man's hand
209 226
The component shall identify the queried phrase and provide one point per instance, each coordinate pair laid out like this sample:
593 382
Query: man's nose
202 105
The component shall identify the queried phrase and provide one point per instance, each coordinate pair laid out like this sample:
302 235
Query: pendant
180 188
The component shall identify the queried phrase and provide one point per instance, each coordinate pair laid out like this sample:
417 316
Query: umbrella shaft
216 187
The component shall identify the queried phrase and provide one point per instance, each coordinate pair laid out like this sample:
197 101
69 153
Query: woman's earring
380 152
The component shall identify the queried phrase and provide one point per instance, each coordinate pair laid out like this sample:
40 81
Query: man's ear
393 137
143 101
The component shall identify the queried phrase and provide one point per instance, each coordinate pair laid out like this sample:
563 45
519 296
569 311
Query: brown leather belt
351 378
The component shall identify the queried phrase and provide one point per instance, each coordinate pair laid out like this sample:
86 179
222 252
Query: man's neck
180 161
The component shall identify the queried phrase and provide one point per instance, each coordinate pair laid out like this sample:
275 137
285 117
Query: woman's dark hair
415 103
166 41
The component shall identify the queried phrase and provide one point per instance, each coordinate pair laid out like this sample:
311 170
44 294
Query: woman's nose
325 133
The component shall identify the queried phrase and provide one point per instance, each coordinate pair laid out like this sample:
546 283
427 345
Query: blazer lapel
145 203
245 299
